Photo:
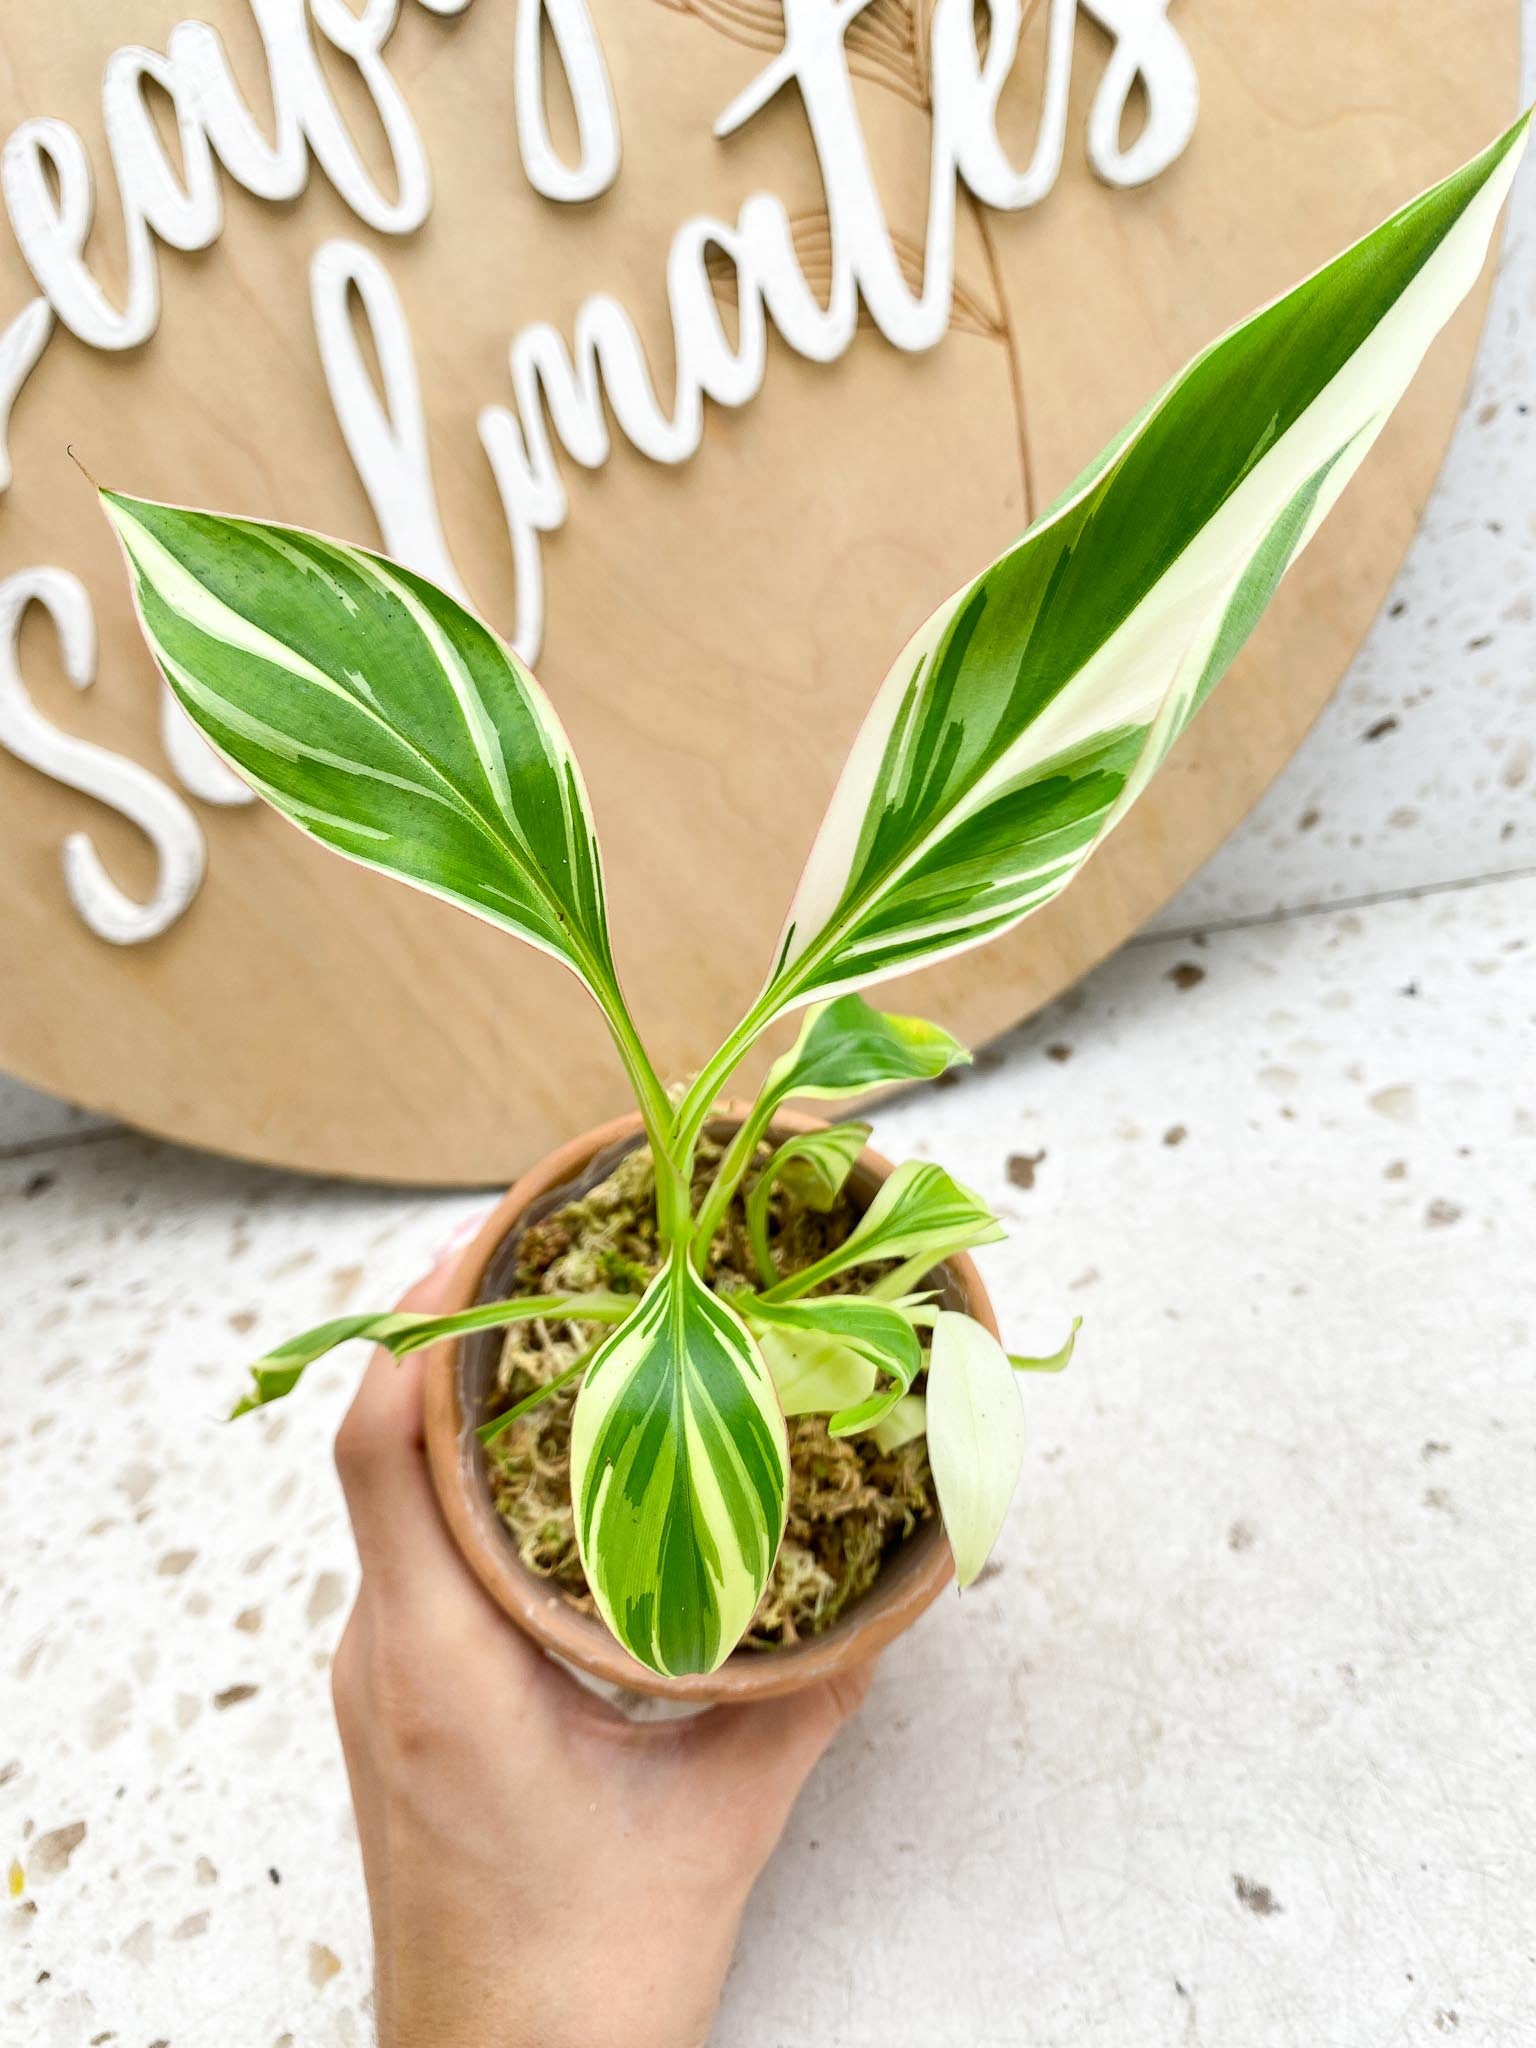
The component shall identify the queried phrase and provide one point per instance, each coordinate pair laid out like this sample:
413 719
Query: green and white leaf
846 1047
975 1424
813 1167
679 1476
279 1371
1031 709
866 1331
812 1372
906 1421
377 714
921 1216
920 1212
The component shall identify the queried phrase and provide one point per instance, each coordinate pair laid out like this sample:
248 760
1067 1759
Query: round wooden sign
427 270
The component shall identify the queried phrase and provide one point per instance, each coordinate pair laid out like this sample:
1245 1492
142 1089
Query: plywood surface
715 630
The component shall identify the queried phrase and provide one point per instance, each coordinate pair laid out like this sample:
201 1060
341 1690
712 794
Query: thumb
381 1456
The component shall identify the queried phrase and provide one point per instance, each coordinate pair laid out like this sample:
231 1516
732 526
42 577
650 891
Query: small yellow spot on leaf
18 1879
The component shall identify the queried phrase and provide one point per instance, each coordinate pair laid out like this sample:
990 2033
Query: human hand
541 1872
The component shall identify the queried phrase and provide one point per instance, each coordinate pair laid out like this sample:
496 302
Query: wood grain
715 631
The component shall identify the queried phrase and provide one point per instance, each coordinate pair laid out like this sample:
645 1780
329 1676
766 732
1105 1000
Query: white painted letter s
121 784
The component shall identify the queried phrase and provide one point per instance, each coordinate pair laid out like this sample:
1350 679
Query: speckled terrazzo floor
1244 1707
1233 1746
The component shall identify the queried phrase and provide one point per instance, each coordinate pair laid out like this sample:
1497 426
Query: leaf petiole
489 1431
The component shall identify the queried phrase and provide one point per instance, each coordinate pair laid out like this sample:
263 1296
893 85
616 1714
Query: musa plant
1013 732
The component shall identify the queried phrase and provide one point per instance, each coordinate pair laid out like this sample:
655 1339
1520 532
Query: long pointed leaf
376 713
1034 705
279 1371
679 1475
921 1214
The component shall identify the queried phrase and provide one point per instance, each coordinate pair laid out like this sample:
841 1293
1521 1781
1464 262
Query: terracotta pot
461 1373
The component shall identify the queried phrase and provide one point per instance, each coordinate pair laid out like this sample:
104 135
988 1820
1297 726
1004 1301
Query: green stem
903 1278
810 1276
774 1000
694 1110
489 1431
779 996
757 1224
416 1332
728 1177
673 1216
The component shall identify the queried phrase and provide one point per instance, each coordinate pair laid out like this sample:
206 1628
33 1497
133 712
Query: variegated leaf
679 1476
399 1332
813 1166
907 1420
376 713
975 1425
813 1373
866 1330
846 1047
1031 709
920 1216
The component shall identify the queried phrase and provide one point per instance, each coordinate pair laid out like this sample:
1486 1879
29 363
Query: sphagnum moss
850 1503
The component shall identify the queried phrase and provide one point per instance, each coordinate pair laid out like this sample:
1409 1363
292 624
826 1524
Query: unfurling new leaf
813 1167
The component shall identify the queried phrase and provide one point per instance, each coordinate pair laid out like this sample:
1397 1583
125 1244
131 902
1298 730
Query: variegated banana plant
1012 734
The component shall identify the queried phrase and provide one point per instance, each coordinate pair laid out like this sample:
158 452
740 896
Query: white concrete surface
1234 1748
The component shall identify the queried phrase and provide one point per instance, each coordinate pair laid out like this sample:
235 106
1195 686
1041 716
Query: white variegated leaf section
375 712
679 1476
915 861
975 1425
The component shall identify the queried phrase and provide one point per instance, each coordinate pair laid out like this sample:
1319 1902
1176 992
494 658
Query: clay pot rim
905 1587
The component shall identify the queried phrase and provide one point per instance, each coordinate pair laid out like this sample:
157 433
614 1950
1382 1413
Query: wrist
550 1991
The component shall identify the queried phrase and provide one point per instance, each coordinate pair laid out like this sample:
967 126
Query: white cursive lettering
121 784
